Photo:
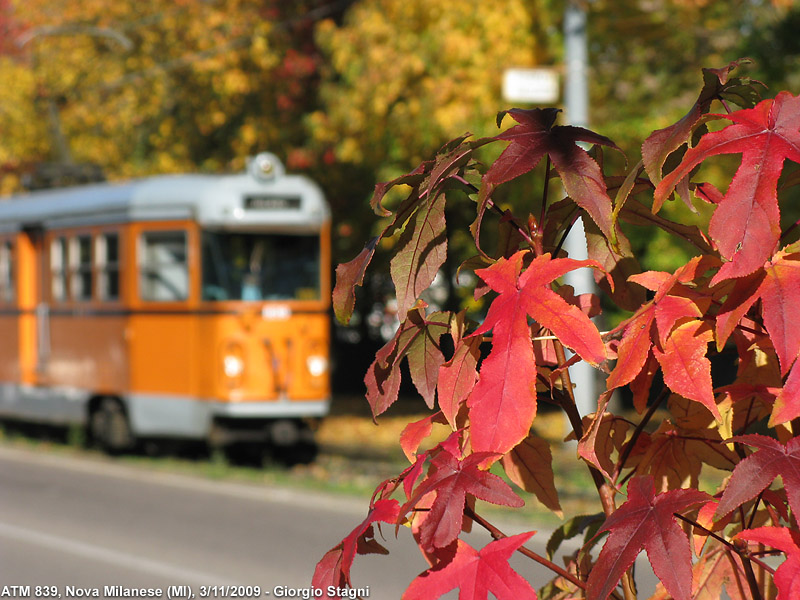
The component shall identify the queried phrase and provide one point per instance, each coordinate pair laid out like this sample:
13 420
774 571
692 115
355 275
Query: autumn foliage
739 297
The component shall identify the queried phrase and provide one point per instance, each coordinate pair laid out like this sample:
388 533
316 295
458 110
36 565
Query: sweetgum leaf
686 369
537 135
530 466
661 143
457 378
787 575
421 251
646 521
349 275
334 568
746 223
757 471
476 574
452 480
503 404
417 339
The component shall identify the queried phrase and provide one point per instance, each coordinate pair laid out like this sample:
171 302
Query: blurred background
350 93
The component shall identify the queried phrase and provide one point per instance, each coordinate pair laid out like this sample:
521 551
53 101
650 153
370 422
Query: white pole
576 104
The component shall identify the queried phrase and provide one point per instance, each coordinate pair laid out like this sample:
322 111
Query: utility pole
576 104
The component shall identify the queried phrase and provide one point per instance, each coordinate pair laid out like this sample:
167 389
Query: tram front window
255 266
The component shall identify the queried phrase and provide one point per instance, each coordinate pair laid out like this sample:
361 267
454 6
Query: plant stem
566 233
543 212
638 431
746 557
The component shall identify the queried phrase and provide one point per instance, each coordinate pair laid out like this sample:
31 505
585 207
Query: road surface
76 524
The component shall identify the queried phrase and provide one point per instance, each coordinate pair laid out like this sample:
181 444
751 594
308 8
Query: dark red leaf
757 471
536 136
334 568
452 479
646 521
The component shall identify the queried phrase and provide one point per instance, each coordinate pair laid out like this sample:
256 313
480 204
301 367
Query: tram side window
163 267
81 267
107 262
58 269
7 272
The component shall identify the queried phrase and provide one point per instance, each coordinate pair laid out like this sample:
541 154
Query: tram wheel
109 427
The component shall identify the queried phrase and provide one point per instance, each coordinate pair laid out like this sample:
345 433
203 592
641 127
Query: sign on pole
536 86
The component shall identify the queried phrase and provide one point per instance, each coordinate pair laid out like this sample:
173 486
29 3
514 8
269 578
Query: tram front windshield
259 266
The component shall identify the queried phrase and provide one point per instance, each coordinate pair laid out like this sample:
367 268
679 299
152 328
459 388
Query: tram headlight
233 364
317 365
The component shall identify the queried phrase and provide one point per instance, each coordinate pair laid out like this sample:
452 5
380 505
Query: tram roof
285 202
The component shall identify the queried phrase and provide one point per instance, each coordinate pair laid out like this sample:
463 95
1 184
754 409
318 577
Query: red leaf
334 568
414 433
646 521
349 275
746 223
660 144
787 404
779 293
686 369
787 576
672 302
503 404
457 379
536 136
476 574
756 472
453 479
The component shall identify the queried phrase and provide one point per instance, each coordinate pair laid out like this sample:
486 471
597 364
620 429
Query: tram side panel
163 399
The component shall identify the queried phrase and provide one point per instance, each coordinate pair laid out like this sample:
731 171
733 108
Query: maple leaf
334 568
605 432
752 475
675 456
646 521
746 222
536 136
476 574
503 404
453 479
787 576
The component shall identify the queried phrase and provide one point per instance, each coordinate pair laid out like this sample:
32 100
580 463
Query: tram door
34 309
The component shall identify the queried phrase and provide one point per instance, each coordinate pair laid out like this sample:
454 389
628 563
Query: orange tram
187 307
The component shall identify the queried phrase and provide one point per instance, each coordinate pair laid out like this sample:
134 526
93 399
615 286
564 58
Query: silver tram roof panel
262 198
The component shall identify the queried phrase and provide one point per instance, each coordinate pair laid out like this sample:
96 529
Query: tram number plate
276 313
272 203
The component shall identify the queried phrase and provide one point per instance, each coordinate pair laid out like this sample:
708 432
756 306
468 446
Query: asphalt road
90 523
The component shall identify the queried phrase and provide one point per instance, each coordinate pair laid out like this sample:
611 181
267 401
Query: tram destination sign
264 202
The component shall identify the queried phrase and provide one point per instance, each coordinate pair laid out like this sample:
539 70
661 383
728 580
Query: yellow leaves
410 74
